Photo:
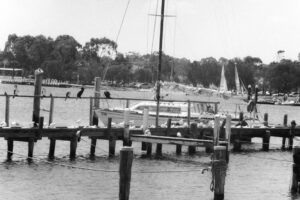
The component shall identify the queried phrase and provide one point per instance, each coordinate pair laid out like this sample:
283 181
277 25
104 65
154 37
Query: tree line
65 59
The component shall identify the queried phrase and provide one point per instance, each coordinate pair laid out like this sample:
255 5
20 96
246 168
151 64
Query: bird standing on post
80 92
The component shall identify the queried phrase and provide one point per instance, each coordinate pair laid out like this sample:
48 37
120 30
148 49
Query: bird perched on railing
67 95
107 94
80 92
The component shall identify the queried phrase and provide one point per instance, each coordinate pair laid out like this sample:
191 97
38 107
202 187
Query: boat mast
159 60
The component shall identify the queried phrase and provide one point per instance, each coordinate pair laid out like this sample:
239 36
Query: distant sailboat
223 82
240 88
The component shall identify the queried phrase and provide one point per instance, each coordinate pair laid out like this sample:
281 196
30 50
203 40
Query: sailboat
223 89
240 87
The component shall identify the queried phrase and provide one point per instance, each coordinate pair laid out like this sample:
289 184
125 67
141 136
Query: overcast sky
201 28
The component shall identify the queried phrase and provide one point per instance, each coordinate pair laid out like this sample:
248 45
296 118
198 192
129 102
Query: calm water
252 174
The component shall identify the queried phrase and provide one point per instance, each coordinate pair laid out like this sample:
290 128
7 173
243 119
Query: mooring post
7 110
37 95
193 133
158 145
216 108
145 126
93 147
30 149
52 149
285 119
51 109
73 146
97 92
249 92
266 140
295 169
237 145
127 103
217 131
219 171
95 120
126 134
126 158
10 148
91 111
228 136
292 134
38 135
111 139
189 114
266 118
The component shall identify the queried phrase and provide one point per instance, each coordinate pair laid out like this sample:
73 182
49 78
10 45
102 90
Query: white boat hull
136 118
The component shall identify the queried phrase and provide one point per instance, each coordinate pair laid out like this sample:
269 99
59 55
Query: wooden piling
7 110
126 134
111 140
291 135
93 147
127 103
10 148
189 113
228 136
295 169
51 110
52 149
193 133
126 158
158 145
217 131
73 147
37 93
219 171
249 92
237 145
266 141
30 149
285 119
91 111
266 118
97 92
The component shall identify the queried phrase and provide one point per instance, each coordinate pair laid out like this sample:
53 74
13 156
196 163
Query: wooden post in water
127 103
73 146
52 149
51 109
37 93
228 136
219 171
93 147
97 95
216 108
266 140
189 114
295 169
249 92
30 149
193 132
217 131
10 148
111 140
126 158
285 119
266 118
292 135
91 111
145 126
126 134
159 146
7 110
